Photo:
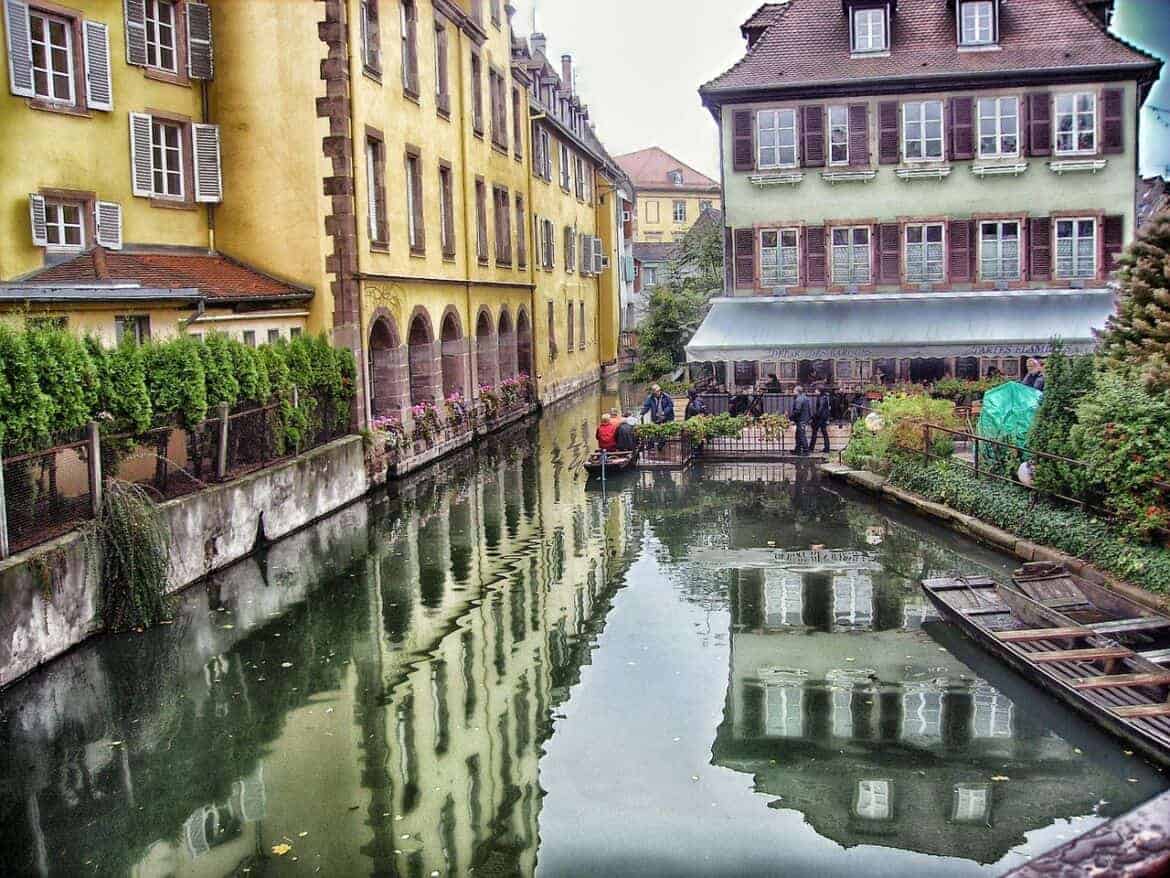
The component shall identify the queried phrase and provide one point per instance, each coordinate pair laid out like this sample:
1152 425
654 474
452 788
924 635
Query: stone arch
454 353
386 366
487 366
507 344
523 342
425 368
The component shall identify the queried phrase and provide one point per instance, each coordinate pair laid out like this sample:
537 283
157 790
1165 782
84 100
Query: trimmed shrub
25 409
219 370
901 433
67 376
176 380
122 392
1066 382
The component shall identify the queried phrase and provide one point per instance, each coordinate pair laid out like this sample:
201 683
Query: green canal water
500 669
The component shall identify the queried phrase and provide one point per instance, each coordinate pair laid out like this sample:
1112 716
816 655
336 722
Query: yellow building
110 177
670 195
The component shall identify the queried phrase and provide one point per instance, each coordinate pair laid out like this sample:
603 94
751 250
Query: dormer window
977 22
870 29
676 177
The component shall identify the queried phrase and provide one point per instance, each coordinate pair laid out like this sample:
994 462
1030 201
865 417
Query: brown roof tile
648 169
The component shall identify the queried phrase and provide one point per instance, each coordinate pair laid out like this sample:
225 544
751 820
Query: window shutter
813 124
98 90
1040 123
200 58
1113 121
889 142
20 76
208 176
743 136
961 240
814 257
141 166
1023 127
598 257
1113 242
890 254
135 31
1040 248
108 220
962 128
859 135
745 258
728 261
36 215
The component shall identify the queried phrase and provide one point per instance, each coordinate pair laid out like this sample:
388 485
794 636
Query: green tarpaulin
1008 412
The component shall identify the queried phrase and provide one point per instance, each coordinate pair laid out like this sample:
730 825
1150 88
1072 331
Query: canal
498 669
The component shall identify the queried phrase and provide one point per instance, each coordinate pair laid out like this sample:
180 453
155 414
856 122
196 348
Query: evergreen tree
1137 338
1067 380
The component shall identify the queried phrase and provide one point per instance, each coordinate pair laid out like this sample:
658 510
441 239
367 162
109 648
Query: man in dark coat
801 416
659 406
820 418
626 439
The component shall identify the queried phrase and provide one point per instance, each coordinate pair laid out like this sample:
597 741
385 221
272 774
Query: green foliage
135 557
67 375
122 392
721 426
1016 510
1067 380
902 419
219 370
250 373
962 390
25 409
659 432
176 380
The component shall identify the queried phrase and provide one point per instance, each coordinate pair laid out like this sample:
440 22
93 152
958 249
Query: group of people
814 411
615 433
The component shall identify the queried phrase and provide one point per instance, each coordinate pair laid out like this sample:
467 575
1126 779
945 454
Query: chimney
101 271
539 43
567 72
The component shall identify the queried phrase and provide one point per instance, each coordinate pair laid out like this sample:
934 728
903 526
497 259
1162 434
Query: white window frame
545 153
649 275
876 40
1077 270
852 247
966 37
841 112
998 258
373 219
47 47
154 27
413 172
914 114
997 117
165 153
923 260
55 222
781 120
775 270
683 206
1077 117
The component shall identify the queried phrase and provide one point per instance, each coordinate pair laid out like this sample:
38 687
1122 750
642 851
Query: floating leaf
1000 777
281 849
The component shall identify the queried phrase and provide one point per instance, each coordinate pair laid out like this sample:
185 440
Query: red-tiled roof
649 169
766 15
215 276
807 43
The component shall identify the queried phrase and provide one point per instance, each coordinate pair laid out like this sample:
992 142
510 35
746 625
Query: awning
962 324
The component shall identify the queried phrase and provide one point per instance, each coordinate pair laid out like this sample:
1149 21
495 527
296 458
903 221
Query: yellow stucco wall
609 283
655 213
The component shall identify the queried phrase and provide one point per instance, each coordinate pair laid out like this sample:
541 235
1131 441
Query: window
442 66
676 177
502 218
476 94
851 255
779 262
552 331
579 176
999 251
544 149
1076 248
294 332
416 231
376 192
581 333
481 244
869 30
160 35
249 338
680 211
136 327
924 253
999 127
409 20
838 135
571 250
371 37
64 225
548 244
521 234
776 134
976 22
273 336
649 275
922 130
704 206
51 41
499 106
569 346
566 171
1076 123
652 214
166 151
446 211
518 118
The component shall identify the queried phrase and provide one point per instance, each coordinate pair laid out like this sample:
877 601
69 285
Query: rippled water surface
500 669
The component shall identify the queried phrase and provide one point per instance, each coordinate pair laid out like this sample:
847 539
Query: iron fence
44 494
674 452
752 441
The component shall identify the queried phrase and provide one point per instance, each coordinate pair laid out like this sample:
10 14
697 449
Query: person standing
820 418
801 416
659 406
1035 376
695 406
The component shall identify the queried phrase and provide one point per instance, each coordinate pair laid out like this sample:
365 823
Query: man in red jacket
607 434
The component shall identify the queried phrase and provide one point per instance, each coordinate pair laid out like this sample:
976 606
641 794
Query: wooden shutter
200 59
1113 242
20 76
135 11
1022 126
961 247
141 165
859 135
889 141
208 177
813 128
36 216
728 261
1113 121
598 257
743 139
814 257
108 222
1040 248
890 253
962 113
745 258
98 88
1040 123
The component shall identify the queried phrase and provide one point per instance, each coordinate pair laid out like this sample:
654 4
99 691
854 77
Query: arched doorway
424 370
454 361
507 345
523 343
487 367
387 368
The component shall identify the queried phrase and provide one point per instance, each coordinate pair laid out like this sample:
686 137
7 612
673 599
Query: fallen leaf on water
999 777
281 849
694 777
286 664
116 743
302 835
226 627
1132 779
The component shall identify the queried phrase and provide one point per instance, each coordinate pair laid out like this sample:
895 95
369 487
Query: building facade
670 195
919 189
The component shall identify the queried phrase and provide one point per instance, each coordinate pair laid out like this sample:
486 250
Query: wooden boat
615 462
1088 668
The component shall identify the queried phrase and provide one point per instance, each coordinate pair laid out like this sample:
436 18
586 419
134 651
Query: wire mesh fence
45 494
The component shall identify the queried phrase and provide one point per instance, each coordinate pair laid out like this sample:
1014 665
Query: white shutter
135 31
36 216
200 57
537 249
20 77
597 256
108 220
141 165
208 176
98 85
585 254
